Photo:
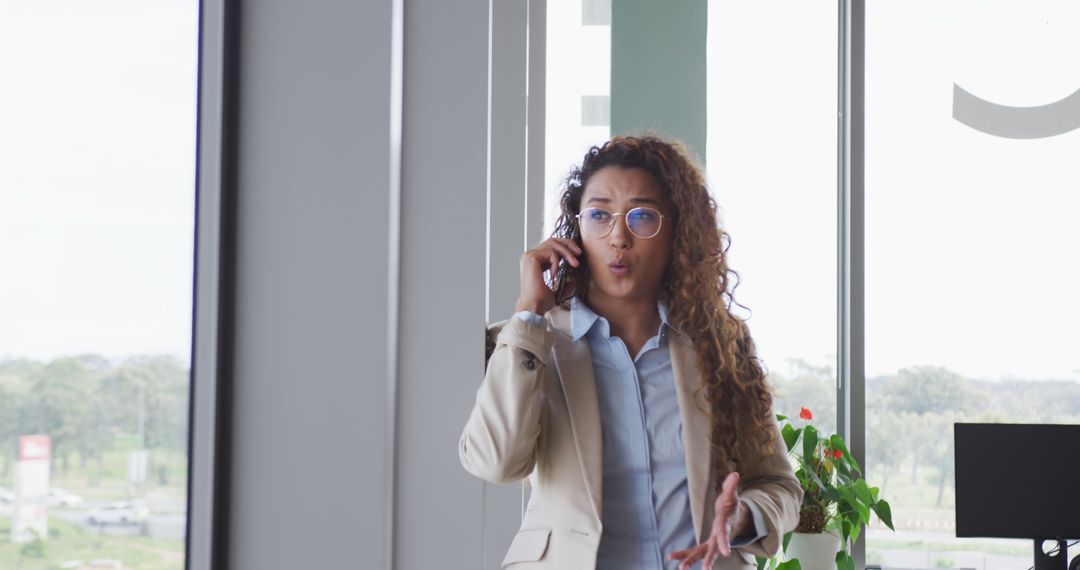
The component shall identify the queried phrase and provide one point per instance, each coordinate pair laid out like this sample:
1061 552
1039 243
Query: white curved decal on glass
1038 122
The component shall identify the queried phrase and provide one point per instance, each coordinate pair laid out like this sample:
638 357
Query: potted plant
836 505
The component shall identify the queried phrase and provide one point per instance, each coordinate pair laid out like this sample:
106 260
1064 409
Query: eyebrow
632 200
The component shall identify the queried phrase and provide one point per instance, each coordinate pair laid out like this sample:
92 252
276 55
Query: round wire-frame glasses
643 221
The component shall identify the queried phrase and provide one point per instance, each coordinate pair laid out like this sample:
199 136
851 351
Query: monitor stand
1058 559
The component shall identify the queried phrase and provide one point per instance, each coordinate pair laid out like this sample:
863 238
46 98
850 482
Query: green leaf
843 471
855 530
809 443
780 417
809 471
845 529
791 435
761 562
844 561
884 512
837 442
864 512
863 492
792 564
787 539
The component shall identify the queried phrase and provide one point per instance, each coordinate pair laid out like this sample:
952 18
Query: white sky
97 161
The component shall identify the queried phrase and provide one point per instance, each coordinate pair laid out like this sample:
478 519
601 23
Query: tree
63 403
931 389
12 397
887 445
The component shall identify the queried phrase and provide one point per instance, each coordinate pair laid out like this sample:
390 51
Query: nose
620 236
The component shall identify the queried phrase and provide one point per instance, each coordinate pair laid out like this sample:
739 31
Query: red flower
805 414
837 454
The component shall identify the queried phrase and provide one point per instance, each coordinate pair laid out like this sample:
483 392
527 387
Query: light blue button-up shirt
646 502
646 505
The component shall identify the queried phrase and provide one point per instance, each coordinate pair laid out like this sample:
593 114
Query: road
167 519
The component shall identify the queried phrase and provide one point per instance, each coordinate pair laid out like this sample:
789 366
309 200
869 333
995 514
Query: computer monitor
1018 481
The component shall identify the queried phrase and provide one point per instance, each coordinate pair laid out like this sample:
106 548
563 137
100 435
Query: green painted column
658 69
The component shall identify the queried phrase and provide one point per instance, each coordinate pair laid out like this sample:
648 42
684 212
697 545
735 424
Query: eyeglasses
643 222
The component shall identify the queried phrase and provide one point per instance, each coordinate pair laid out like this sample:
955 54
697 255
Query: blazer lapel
695 426
574 364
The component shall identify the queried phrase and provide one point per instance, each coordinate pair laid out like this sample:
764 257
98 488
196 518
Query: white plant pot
814 551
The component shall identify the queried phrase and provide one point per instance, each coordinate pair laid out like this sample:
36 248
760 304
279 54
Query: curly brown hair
699 288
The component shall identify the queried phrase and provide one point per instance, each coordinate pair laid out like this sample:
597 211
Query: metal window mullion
851 372
536 122
208 435
393 273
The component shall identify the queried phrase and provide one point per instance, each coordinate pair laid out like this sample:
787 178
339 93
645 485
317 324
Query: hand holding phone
536 295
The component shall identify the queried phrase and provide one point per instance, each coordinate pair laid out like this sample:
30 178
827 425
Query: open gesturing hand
732 518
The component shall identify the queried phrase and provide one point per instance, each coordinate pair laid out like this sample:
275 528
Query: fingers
679 554
726 504
536 296
567 249
573 245
548 253
720 531
731 483
710 554
689 556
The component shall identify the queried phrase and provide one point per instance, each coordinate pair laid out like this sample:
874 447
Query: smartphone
559 285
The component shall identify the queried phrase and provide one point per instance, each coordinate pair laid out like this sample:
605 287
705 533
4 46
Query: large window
971 134
771 165
765 147
577 97
971 308
97 193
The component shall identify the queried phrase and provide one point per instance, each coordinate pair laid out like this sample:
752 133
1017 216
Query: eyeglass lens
598 222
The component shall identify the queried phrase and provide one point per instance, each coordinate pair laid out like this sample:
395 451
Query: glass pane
970 237
577 95
97 193
771 153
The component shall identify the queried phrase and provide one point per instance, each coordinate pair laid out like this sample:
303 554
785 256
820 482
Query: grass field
69 542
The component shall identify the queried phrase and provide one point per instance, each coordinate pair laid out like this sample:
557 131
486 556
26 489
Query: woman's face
623 266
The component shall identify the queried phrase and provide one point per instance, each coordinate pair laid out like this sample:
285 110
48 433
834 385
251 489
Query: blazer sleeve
500 437
769 482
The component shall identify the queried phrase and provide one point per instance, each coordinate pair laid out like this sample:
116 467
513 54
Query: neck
629 318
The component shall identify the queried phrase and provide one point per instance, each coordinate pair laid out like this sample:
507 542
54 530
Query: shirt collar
583 319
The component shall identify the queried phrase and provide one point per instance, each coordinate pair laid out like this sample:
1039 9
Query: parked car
61 498
123 512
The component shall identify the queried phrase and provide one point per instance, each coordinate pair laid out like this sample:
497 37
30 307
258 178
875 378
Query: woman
630 396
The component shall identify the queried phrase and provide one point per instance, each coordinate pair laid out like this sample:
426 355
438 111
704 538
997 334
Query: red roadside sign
34 447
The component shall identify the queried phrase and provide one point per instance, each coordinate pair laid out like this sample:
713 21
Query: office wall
441 355
312 240
344 434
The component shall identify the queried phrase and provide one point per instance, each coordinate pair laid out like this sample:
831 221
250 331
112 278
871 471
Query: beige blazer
536 415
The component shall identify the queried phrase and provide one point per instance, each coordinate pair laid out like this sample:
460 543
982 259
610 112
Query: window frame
208 434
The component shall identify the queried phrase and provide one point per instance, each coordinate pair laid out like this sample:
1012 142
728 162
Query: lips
619 268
